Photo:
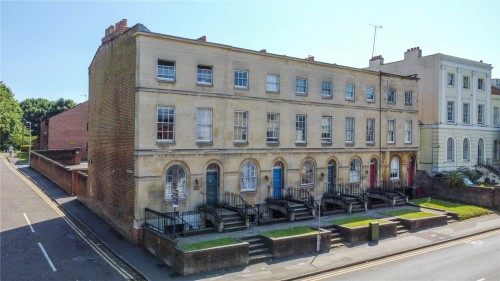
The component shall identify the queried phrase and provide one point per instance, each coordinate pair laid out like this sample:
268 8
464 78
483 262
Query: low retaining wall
160 246
361 234
202 261
299 245
488 197
53 170
423 223
63 156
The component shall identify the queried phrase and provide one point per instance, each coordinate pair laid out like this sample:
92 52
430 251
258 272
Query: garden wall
488 197
298 245
362 233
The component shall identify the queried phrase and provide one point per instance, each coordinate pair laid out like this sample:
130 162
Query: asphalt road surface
39 242
472 259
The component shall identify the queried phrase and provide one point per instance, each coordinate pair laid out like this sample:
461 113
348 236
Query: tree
11 115
40 109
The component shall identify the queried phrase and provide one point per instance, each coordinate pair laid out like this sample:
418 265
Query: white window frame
326 129
350 124
204 75
241 126
480 114
391 96
450 149
175 171
466 82
480 84
391 131
307 174
370 130
249 177
355 171
301 128
273 83
466 150
241 78
450 112
408 131
273 127
166 70
466 113
450 80
327 89
165 118
204 125
370 94
408 98
395 169
350 91
301 86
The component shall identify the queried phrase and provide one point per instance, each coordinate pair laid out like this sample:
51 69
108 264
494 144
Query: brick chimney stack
202 38
310 58
113 31
413 53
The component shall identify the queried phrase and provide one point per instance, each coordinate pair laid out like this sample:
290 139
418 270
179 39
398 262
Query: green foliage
22 156
299 230
464 211
357 221
409 214
40 109
209 244
24 148
454 179
473 175
10 118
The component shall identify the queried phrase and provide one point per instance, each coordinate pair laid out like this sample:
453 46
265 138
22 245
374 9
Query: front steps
258 250
337 239
233 222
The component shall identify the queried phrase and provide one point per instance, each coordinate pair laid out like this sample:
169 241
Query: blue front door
277 182
331 178
212 184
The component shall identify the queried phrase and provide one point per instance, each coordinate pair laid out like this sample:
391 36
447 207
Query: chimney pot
310 58
202 38
263 51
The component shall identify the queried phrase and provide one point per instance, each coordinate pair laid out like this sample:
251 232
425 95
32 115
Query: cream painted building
206 119
456 117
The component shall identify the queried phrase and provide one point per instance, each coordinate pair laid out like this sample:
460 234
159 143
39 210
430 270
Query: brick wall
66 130
111 130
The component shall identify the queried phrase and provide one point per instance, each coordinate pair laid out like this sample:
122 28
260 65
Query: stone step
255 246
259 251
234 228
260 258
337 240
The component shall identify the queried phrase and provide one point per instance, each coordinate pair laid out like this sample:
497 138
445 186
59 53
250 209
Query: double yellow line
444 245
80 233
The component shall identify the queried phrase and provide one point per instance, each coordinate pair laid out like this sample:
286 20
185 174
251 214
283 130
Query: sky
46 47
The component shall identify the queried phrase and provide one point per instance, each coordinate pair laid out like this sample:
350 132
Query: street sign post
175 203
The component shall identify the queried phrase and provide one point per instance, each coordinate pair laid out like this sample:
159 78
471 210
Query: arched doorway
331 176
212 187
373 173
278 182
480 152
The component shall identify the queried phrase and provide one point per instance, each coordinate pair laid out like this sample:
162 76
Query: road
38 241
473 259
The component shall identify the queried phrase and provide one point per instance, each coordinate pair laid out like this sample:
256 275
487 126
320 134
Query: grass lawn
409 214
357 221
23 156
464 211
209 244
288 232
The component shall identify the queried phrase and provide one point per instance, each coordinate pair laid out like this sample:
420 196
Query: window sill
302 143
249 191
326 143
182 197
408 104
240 143
204 143
272 92
370 101
370 143
162 142
301 94
450 123
309 185
241 88
349 99
273 143
201 84
391 142
408 142
165 80
349 143
326 97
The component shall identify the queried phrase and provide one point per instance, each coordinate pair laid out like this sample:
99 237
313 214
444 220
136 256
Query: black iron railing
166 223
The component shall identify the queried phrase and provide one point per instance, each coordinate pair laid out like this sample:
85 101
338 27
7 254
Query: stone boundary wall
423 223
478 196
298 245
361 234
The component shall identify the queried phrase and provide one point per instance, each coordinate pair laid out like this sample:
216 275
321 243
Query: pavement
282 269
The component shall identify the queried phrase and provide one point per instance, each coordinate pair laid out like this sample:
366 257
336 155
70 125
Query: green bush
473 175
454 179
25 148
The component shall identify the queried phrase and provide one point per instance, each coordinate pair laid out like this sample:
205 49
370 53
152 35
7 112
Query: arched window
176 178
308 173
496 151
249 177
450 149
355 174
395 168
466 150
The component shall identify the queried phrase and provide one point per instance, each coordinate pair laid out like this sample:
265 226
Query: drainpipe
380 123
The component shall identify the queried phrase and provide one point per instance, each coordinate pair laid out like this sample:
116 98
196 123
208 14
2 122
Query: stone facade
457 122
173 112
